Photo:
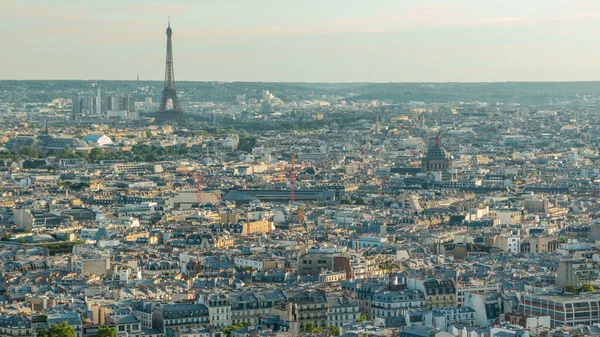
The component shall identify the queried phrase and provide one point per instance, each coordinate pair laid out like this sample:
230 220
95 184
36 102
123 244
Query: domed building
437 159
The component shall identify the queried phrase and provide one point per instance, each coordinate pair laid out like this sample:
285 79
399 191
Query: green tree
228 330
57 330
29 151
151 157
587 288
570 288
105 332
362 318
333 330
96 154
310 327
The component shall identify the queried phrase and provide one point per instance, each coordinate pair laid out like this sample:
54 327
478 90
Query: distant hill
507 92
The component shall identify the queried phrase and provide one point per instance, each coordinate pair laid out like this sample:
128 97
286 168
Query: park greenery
61 247
228 330
310 327
105 332
57 330
583 289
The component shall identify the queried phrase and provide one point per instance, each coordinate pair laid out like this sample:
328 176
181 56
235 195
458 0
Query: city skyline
440 41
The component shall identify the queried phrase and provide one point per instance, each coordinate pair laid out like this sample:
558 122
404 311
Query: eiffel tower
169 91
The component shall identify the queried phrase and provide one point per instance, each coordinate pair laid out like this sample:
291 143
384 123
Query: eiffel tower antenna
169 91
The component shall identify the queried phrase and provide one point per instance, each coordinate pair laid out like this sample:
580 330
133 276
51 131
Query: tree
151 157
587 288
333 330
570 288
29 151
228 330
105 332
96 154
57 330
310 327
362 318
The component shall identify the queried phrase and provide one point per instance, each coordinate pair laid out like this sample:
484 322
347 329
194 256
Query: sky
303 40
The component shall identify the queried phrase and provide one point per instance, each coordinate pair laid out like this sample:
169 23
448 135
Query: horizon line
305 82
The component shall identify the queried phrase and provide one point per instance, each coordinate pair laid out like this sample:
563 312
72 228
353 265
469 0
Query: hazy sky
303 40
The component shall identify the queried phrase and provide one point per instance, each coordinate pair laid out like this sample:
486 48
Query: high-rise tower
169 91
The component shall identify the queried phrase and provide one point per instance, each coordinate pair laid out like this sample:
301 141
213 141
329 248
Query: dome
437 152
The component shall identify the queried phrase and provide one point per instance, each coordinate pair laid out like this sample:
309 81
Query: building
342 310
90 264
309 306
250 307
509 243
136 168
577 272
219 310
72 318
258 226
487 307
316 260
438 293
445 318
102 105
462 291
15 325
179 315
127 325
396 303
258 263
97 139
564 310
437 159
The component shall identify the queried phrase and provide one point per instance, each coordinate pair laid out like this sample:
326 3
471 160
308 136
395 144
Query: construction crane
281 174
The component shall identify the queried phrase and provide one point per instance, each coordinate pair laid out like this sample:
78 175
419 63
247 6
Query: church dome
437 152
437 159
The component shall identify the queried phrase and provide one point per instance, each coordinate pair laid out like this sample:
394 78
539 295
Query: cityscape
167 208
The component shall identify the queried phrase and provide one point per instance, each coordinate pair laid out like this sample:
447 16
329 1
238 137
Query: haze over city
299 168
306 41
